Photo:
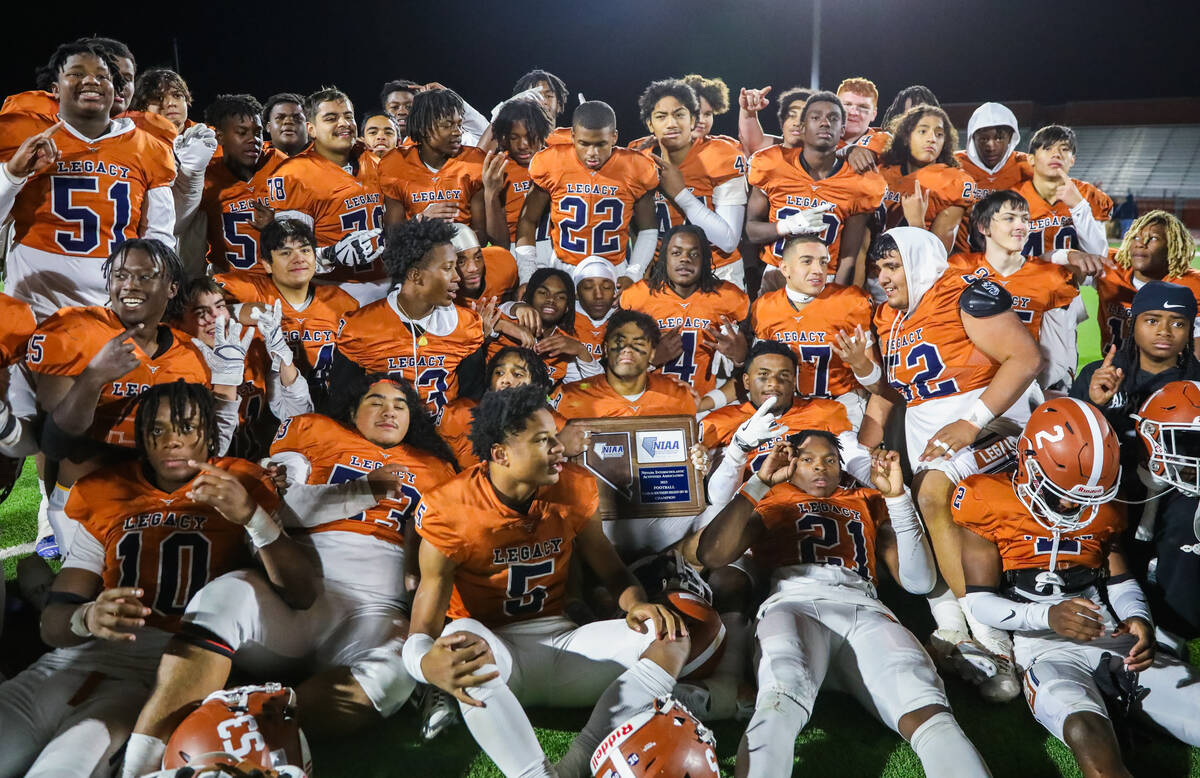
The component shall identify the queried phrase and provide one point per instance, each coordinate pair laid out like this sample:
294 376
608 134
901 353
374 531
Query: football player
1043 559
596 194
520 128
596 285
700 315
822 543
551 89
958 357
991 158
507 644
1157 247
236 183
334 187
164 92
713 97
806 314
483 273
396 99
809 190
285 122
109 182
701 181
90 364
353 485
550 298
1064 213
17 438
926 187
417 332
438 177
379 132
153 531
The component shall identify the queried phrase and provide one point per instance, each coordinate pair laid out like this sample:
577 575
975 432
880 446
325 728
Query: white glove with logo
195 146
227 357
358 249
810 221
758 428
270 326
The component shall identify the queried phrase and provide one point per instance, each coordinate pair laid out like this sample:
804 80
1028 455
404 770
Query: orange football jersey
228 207
338 202
947 187
517 186
875 139
1051 226
403 177
156 126
560 136
379 341
164 543
33 101
1115 289
590 333
339 453
595 398
67 341
510 566
1039 286
91 200
710 162
692 315
455 429
499 276
778 172
1015 171
838 530
19 325
928 355
809 334
987 505
591 210
312 329
816 413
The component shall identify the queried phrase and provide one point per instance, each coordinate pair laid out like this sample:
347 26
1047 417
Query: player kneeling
497 544
1048 539
821 542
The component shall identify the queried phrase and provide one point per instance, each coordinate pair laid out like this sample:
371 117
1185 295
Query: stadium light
815 80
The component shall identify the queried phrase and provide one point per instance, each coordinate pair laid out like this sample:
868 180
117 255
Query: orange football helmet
1169 424
1068 464
247 726
664 742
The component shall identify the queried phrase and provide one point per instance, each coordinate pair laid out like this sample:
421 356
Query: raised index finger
1108 358
49 131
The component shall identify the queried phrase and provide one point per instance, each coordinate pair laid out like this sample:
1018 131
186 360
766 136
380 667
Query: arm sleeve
9 189
718 227
915 567
288 401
1057 337
856 458
227 423
990 608
317 504
1089 231
186 193
643 251
159 215
474 123
725 481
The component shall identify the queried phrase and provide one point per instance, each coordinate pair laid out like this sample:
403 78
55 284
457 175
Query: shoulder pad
984 298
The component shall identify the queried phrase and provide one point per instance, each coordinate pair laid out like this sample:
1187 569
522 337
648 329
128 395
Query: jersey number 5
85 223
524 600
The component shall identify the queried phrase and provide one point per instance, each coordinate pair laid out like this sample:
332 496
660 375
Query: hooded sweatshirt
1010 172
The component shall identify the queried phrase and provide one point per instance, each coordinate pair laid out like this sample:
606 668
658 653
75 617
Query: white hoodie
991 115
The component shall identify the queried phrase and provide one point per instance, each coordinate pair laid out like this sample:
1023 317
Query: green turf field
841 740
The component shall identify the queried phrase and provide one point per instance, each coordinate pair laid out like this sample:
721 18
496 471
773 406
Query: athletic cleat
47 548
958 653
1004 685
439 712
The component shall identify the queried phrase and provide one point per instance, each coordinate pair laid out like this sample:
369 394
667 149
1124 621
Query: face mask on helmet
1055 508
1174 453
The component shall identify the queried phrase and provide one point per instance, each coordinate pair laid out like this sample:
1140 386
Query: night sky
965 51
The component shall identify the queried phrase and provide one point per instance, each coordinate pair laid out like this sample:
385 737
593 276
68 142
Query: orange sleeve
157 161
724 162
61 346
16 127
580 486
1102 204
33 101
635 297
19 326
969 508
760 169
646 177
237 287
876 141
542 168
871 192
256 481
435 523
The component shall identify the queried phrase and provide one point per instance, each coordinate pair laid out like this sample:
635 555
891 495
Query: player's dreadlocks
501 414
183 399
532 115
566 322
164 257
156 83
708 280
58 59
916 94
408 243
793 95
429 108
538 76
667 87
421 434
231 107
538 374
714 90
902 128
1180 244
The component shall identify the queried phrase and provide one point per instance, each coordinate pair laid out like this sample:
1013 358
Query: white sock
632 692
945 751
503 730
143 754
769 745
44 527
947 613
995 640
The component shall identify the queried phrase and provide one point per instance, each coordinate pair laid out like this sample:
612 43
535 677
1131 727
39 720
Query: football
706 630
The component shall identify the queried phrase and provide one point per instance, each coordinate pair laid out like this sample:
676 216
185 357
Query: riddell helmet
1169 424
1067 452
664 742
243 727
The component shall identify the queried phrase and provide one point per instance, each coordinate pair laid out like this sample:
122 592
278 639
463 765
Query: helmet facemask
1043 498
1174 453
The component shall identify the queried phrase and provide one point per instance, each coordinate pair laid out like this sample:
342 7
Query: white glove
809 221
194 148
532 93
759 427
358 249
227 357
270 326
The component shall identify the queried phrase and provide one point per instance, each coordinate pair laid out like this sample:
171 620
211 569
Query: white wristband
979 415
416 646
1128 601
1059 256
262 529
871 377
79 626
755 489
718 397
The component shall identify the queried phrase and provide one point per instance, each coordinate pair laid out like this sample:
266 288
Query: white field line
24 548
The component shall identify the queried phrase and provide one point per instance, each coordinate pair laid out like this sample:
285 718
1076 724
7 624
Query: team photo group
345 409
